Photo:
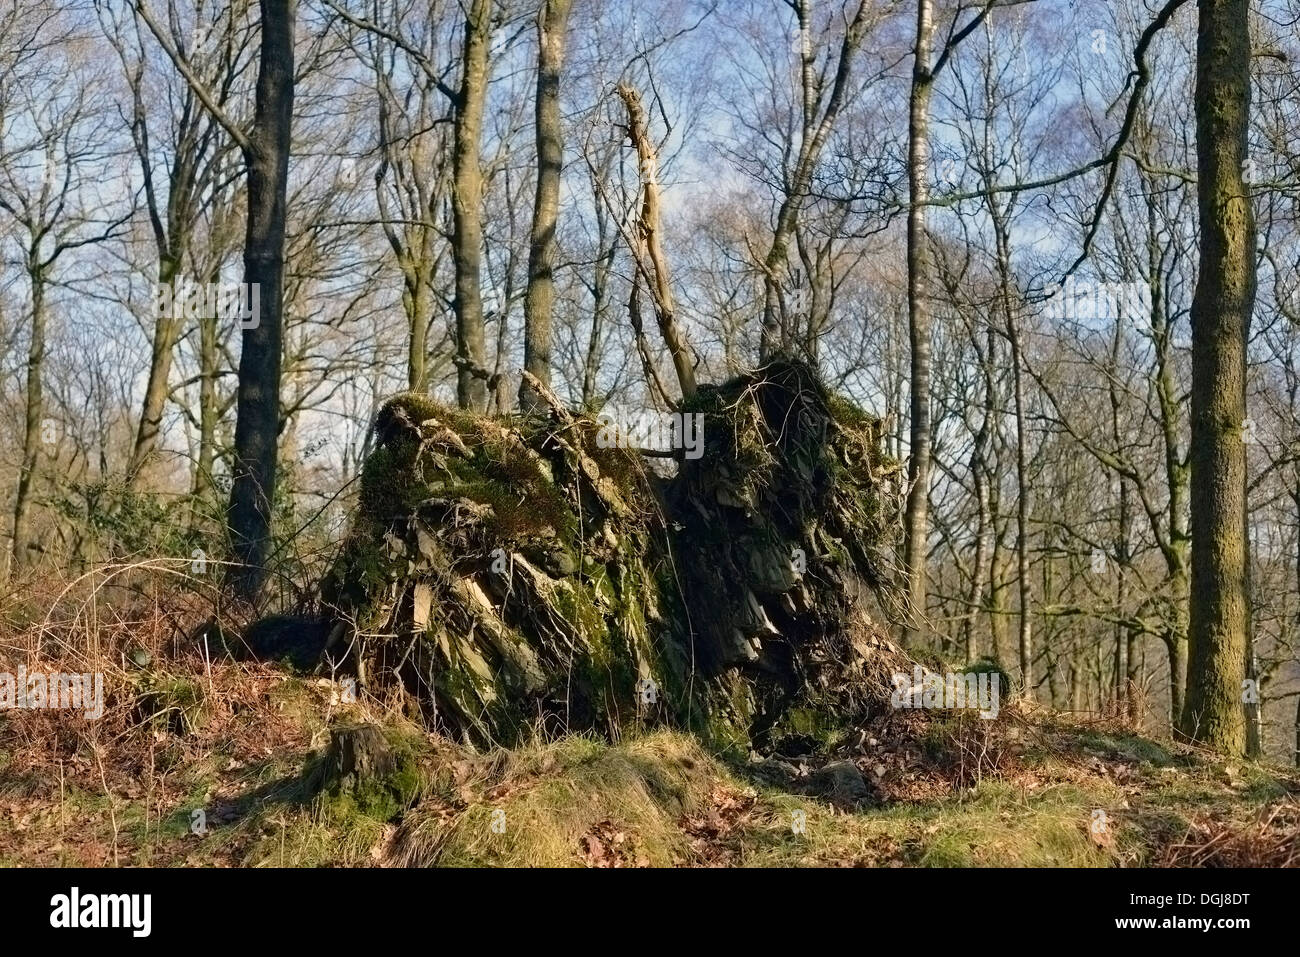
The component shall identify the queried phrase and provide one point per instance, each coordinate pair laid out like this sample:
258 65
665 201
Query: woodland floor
234 742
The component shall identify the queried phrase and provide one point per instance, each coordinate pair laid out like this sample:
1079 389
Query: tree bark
1295 498
1297 732
467 210
209 370
552 22
1221 309
166 331
916 516
1176 470
257 422
1008 294
651 261
196 162
34 410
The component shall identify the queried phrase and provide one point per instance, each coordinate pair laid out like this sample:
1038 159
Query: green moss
725 715
622 466
573 600
849 413
420 406
811 723
429 451
382 796
987 665
170 703
1127 747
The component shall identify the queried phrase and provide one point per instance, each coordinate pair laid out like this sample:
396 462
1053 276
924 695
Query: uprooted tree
516 575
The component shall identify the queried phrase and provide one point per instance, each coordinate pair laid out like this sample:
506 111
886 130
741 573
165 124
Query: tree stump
361 766
521 573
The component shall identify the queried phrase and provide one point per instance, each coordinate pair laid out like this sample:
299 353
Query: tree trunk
1254 704
1123 638
916 519
1297 732
417 322
1254 708
209 370
416 180
166 331
1176 471
1008 296
552 22
1176 649
652 263
257 422
600 306
997 604
976 602
1026 644
1221 308
1076 682
814 132
1132 679
1295 498
467 211
34 410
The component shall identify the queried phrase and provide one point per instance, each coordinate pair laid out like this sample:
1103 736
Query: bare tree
191 151
552 22
925 70
467 210
1221 312
265 148
47 177
648 251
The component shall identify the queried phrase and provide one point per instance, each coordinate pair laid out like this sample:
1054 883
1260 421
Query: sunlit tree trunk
916 517
1221 308
551 25
467 210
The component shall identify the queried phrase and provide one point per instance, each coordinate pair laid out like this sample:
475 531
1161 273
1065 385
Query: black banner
335 908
